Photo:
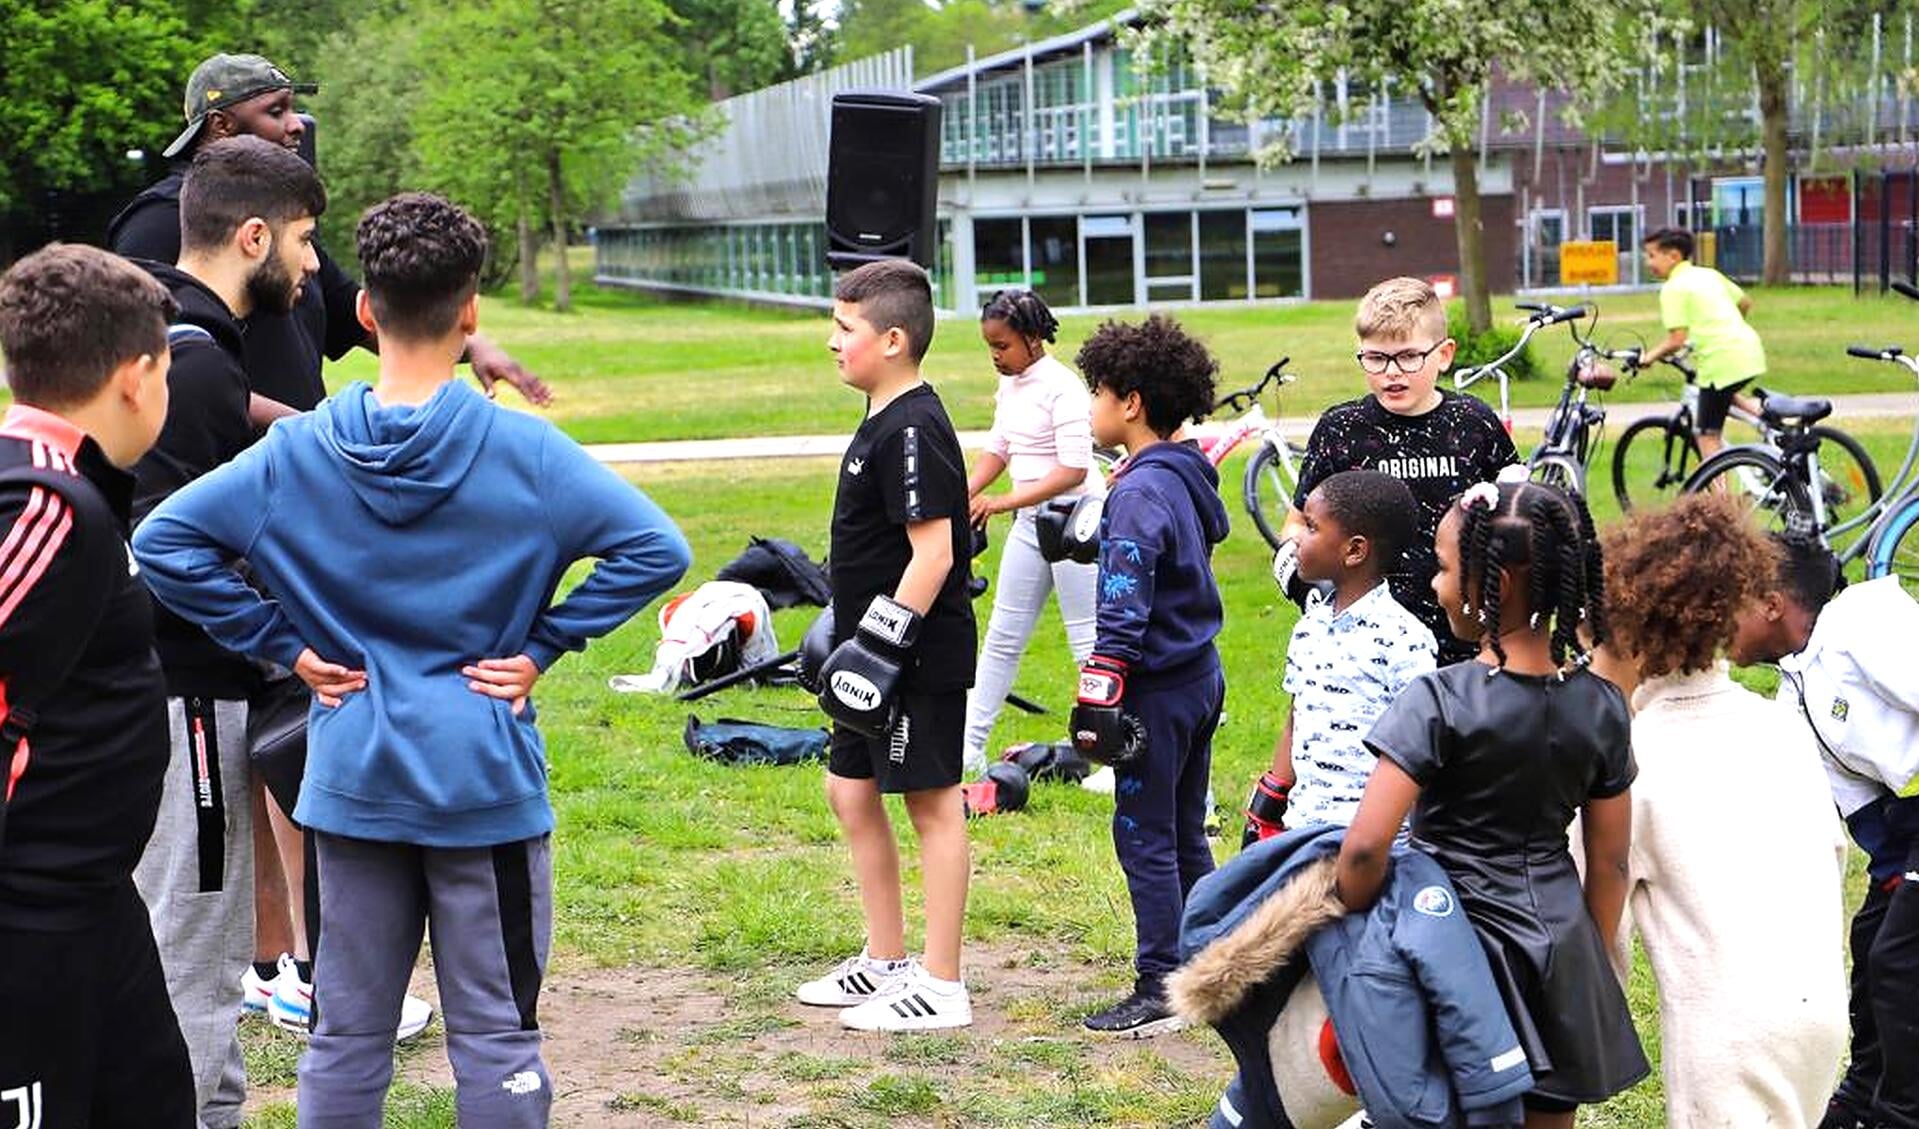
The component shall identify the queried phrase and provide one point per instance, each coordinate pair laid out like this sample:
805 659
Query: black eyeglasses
1407 361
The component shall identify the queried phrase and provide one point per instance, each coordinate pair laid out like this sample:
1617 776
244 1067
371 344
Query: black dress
1504 762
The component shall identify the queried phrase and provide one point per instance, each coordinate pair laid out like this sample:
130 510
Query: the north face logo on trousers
525 1082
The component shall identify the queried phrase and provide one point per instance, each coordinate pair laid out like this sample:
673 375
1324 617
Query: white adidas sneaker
917 1002
291 1007
256 991
853 981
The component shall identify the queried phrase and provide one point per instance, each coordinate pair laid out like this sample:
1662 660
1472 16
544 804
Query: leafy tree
1269 60
374 78
552 105
83 83
812 44
734 45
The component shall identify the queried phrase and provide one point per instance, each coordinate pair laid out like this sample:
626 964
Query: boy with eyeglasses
1438 442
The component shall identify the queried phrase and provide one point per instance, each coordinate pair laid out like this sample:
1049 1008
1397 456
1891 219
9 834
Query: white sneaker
1101 781
853 981
256 992
916 1003
291 1007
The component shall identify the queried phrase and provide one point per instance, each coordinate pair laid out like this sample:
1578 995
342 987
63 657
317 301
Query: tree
812 44
735 45
552 105
1268 60
364 111
83 83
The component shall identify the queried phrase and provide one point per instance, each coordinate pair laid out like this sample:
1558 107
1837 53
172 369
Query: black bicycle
1657 454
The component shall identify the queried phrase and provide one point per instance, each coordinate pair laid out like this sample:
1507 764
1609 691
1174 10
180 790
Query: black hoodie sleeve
148 229
206 424
341 293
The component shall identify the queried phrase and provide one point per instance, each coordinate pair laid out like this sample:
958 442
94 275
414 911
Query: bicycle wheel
1268 487
1562 471
1847 477
1895 548
1762 486
1651 462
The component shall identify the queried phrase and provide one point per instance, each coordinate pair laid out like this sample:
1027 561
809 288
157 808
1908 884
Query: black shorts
923 753
1714 404
87 1032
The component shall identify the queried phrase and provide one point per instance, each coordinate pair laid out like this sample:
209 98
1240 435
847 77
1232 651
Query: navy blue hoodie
408 542
1159 608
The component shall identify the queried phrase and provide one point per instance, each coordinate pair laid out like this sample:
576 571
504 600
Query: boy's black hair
421 256
1023 311
1172 372
1808 571
1551 532
1671 239
1375 506
69 315
892 294
237 178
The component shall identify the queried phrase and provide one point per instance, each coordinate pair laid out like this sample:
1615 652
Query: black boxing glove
1049 528
860 681
1265 810
815 648
1084 530
1286 575
1100 727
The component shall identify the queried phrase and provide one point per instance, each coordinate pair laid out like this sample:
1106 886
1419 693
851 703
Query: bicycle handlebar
1907 288
1868 352
1246 396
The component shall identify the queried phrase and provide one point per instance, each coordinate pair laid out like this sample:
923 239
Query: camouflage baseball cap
226 80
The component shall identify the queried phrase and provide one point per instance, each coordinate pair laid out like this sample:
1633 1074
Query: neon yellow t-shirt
1705 304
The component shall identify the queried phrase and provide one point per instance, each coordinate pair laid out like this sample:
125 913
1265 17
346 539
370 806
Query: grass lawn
691 897
630 368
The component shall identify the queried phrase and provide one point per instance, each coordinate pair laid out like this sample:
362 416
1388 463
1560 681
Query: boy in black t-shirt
87 1035
1438 442
902 656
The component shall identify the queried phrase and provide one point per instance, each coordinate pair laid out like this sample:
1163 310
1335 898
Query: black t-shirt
1438 455
76 645
905 466
283 351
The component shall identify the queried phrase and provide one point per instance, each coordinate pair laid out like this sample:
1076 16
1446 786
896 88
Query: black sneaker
1139 1016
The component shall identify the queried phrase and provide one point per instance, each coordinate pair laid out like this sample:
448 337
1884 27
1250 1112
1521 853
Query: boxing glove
1100 727
816 646
860 681
1005 787
1084 530
1286 574
1265 810
1049 528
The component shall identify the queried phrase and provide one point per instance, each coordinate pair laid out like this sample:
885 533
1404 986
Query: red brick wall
1349 252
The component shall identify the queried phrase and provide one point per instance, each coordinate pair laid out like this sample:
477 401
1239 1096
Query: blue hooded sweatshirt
409 542
1159 608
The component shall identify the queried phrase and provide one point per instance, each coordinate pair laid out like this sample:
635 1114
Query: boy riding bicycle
1704 309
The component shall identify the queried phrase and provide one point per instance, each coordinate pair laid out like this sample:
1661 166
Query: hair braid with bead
1550 532
1024 312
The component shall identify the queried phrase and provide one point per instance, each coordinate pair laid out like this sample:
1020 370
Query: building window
1278 253
1053 251
1169 256
1222 256
1621 225
998 254
1109 260
1549 227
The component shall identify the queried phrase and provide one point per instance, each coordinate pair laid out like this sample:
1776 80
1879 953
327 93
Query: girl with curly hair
1042 436
1737 855
1493 757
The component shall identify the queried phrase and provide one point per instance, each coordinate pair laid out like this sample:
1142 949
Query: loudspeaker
882 178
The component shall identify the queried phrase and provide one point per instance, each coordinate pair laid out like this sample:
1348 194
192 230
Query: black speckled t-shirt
1437 454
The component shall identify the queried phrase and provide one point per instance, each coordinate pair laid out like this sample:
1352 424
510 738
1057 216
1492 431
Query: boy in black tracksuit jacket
87 1036
1150 695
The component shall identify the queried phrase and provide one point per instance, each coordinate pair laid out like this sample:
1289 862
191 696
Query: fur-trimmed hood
1210 985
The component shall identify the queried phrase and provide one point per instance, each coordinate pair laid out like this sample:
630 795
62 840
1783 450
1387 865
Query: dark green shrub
1478 348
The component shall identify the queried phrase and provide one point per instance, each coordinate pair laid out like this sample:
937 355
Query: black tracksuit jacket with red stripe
76 646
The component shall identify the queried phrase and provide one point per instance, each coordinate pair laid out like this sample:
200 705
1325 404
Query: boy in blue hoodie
426 776
1150 695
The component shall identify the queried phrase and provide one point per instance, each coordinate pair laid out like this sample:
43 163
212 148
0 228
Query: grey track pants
490 912
196 878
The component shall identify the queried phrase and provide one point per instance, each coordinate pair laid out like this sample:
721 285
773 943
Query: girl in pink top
1042 434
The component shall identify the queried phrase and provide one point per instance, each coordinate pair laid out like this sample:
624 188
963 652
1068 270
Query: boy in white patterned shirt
1349 655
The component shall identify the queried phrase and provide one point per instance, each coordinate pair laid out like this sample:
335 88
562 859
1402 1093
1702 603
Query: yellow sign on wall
1592 262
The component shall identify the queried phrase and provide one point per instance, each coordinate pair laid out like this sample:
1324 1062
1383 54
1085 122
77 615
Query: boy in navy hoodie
426 777
1151 693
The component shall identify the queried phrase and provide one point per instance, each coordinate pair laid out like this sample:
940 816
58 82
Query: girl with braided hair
1042 434
1493 757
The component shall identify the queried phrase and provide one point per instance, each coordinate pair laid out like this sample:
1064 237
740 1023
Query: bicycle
1266 489
1679 457
1576 423
1775 482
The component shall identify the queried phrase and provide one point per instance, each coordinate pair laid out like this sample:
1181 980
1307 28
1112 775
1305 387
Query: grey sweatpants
196 879
1019 595
490 911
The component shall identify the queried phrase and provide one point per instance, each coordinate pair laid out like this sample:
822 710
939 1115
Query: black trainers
1139 1016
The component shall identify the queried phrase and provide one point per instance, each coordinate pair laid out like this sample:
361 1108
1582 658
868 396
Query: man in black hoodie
247 248
1151 693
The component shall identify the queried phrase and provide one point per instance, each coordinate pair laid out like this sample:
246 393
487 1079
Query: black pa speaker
882 178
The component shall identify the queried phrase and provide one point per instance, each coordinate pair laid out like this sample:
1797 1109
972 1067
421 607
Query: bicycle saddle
1779 409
